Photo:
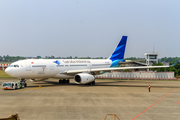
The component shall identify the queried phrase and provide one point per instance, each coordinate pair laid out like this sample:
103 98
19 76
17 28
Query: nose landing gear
23 82
64 81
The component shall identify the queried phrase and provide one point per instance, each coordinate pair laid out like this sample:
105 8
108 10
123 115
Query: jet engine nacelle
83 78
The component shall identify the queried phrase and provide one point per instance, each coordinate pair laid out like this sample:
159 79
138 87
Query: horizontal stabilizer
174 63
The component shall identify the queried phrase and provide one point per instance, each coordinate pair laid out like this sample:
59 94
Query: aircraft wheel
25 85
89 83
93 83
64 81
60 81
67 81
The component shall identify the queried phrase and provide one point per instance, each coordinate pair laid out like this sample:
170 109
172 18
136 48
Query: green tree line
8 58
175 68
11 58
164 59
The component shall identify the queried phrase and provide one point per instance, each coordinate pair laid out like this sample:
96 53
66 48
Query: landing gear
60 81
67 81
91 83
23 83
64 81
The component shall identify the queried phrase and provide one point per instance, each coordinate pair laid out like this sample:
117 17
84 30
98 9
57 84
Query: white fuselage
53 68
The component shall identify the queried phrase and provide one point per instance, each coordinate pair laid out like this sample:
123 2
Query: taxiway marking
152 105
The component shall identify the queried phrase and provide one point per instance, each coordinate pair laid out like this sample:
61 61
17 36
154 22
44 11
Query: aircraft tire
93 83
89 83
15 86
64 81
67 81
25 85
60 81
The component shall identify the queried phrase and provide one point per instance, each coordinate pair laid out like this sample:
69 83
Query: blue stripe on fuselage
115 63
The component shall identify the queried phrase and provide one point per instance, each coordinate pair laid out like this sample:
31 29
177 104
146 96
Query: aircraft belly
63 76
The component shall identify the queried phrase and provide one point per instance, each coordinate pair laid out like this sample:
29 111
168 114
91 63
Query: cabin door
51 66
28 66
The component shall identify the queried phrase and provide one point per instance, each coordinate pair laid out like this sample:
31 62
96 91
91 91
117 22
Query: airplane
82 70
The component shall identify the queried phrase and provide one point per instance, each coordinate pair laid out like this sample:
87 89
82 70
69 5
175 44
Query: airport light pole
3 63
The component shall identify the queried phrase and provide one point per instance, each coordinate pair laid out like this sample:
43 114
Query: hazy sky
89 27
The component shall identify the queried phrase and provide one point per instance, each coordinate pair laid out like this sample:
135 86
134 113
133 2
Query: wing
100 70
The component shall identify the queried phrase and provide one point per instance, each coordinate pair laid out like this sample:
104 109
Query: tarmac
128 99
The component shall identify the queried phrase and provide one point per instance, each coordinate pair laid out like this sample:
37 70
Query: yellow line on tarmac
22 89
49 86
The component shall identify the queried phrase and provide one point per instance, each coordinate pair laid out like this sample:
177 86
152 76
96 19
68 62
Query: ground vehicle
13 85
11 117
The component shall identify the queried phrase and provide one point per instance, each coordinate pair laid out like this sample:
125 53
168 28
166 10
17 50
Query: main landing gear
64 81
91 83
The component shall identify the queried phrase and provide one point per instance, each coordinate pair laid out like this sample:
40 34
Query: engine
83 78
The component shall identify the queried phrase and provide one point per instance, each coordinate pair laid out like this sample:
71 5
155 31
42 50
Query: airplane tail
118 54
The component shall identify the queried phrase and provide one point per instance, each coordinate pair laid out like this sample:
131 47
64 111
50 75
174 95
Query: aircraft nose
12 72
8 71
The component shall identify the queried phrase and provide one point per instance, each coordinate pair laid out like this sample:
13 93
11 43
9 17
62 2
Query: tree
52 57
38 57
158 69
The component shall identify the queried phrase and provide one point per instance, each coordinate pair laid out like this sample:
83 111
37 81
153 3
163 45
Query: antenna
153 48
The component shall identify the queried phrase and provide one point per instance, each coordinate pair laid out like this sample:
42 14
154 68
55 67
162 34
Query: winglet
174 63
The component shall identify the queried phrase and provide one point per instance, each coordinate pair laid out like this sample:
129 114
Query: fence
138 75
4 66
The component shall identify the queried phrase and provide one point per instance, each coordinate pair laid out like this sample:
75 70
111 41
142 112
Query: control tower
151 58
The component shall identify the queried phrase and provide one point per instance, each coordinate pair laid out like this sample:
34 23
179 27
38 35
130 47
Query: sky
89 27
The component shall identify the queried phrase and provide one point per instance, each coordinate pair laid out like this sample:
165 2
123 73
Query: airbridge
138 75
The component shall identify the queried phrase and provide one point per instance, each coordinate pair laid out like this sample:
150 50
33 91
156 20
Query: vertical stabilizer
118 53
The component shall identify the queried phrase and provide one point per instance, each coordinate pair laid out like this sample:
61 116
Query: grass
4 75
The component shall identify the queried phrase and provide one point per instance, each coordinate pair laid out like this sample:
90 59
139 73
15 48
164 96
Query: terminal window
152 57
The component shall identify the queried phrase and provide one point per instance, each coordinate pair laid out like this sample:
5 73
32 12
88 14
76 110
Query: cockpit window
14 66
